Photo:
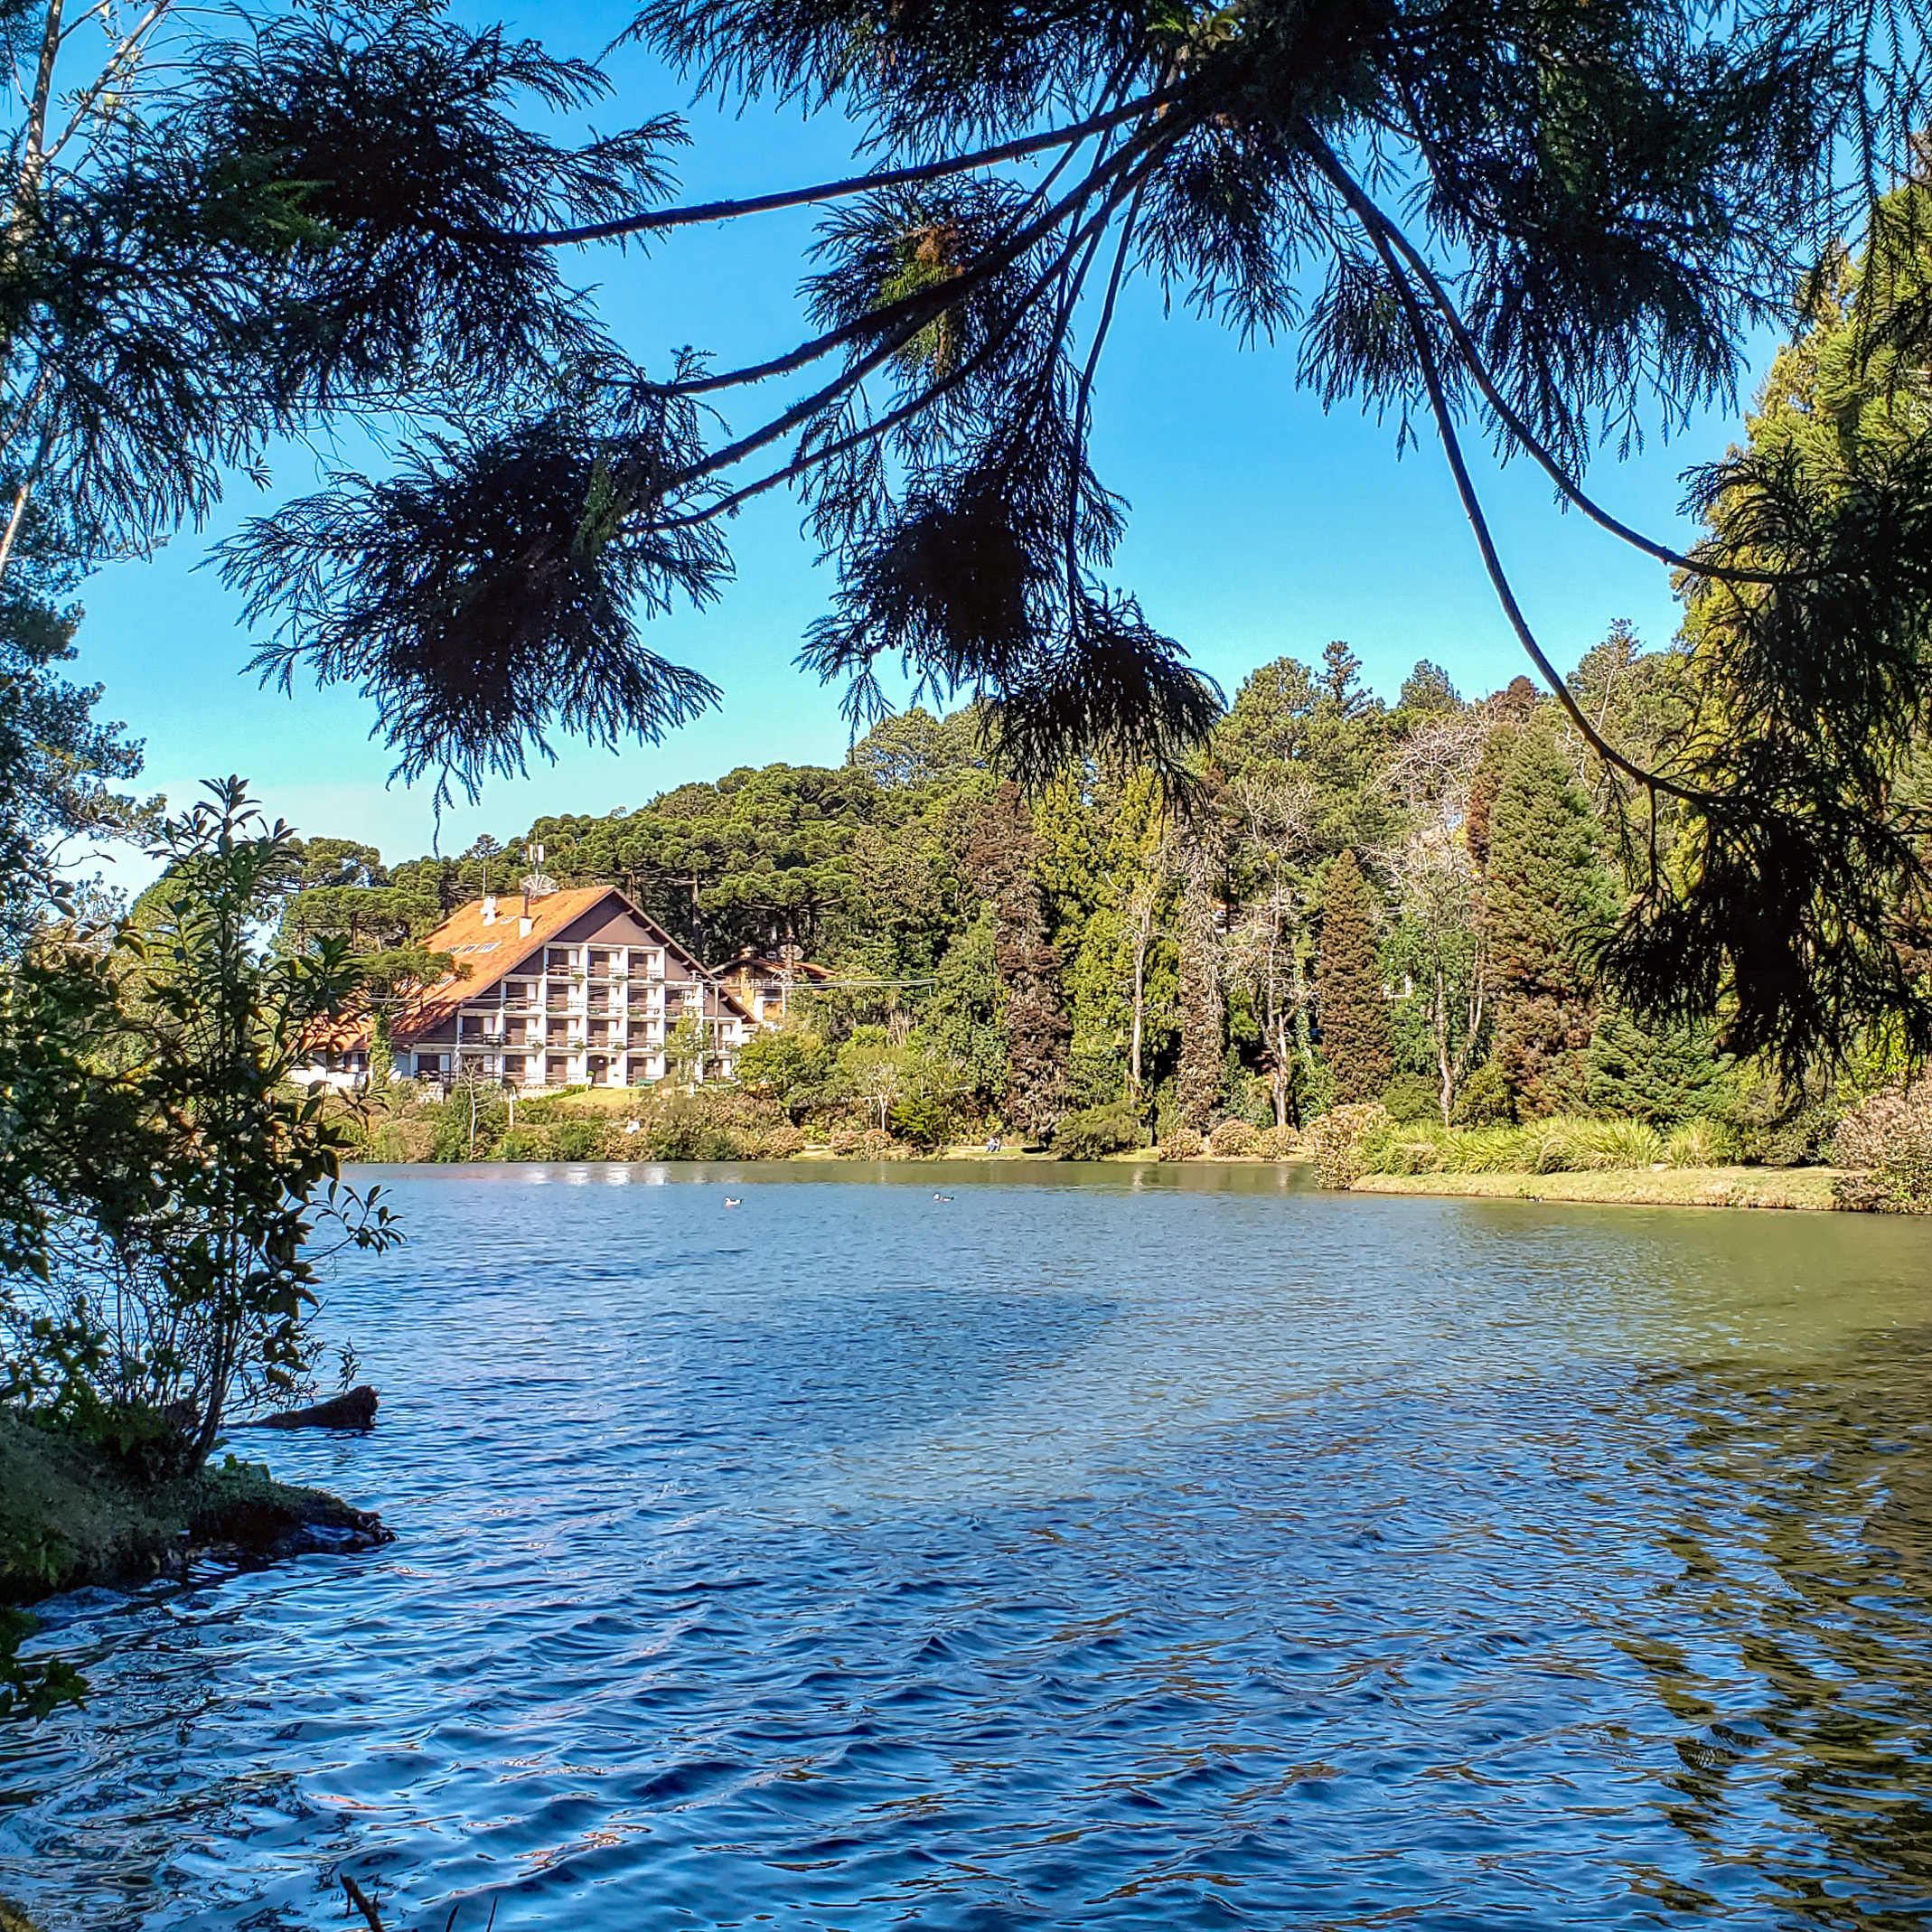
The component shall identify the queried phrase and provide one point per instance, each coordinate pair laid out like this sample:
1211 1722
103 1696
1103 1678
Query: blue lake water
1103 1546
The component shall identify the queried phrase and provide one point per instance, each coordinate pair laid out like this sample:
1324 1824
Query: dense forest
1358 900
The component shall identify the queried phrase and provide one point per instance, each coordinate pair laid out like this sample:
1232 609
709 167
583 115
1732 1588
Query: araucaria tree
1351 1002
1549 908
1002 859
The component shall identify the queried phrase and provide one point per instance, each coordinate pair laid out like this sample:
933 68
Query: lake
1123 1546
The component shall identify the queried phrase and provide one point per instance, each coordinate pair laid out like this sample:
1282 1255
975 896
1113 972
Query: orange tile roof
489 951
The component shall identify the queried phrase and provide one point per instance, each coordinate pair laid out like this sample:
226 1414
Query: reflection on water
1100 1546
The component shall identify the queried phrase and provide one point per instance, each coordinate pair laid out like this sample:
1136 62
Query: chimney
523 926
489 909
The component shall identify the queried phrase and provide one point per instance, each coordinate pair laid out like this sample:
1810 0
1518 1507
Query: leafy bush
778 1142
1183 1144
1411 1097
583 1140
1339 1140
171 1272
1893 1126
528 1143
1231 1139
1901 1186
1097 1131
1486 1100
1888 1143
1277 1143
924 1116
469 1124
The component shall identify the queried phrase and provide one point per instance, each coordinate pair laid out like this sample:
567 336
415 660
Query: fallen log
354 1409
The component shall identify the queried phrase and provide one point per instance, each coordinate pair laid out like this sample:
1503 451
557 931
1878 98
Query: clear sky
1257 526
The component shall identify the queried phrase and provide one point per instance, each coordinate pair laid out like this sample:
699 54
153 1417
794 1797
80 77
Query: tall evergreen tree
1549 903
1355 1034
1002 858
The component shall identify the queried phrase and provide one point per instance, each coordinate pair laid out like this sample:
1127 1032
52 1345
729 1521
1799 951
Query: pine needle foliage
1549 909
1350 1002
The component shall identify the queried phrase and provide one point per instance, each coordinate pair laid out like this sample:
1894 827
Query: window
513 1068
600 963
556 1071
559 959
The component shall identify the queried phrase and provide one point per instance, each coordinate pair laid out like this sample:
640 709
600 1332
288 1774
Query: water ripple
1092 1549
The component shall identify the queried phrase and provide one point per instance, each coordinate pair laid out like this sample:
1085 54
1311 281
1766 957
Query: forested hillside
1362 900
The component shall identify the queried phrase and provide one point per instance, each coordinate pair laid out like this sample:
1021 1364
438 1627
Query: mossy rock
12 1919
70 1515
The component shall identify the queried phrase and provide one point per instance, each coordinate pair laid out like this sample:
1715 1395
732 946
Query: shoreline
1803 1190
70 1518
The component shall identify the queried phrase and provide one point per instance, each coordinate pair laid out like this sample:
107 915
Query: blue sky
1258 525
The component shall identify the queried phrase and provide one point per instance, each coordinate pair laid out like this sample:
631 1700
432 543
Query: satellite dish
790 954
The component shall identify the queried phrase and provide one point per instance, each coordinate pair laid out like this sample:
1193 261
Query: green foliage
1561 1144
1002 859
1411 1097
789 1065
1093 1132
1658 1074
163 1252
1356 1039
1342 1139
686 1129
1549 908
1486 1099
1702 1143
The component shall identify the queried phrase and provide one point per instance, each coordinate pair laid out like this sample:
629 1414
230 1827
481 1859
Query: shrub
1277 1143
1231 1139
1701 1144
1097 1131
1901 1186
1486 1100
686 1130
1338 1141
528 1143
773 1143
1411 1097
1892 1127
1183 1144
403 1139
1888 1141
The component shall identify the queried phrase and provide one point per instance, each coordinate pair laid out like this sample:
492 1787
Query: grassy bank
1807 1188
71 1514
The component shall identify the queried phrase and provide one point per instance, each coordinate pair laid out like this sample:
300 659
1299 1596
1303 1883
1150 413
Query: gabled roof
490 951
